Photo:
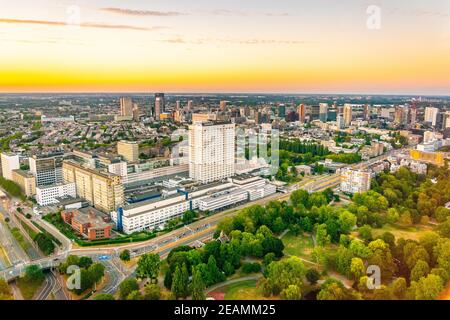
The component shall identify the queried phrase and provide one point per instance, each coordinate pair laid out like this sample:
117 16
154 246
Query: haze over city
225 46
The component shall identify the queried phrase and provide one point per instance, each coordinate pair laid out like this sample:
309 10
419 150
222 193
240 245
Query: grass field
244 290
405 232
28 289
20 238
300 246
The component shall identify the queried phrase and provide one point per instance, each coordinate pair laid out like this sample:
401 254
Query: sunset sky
285 46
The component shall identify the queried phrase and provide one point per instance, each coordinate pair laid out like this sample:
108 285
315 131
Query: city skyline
223 47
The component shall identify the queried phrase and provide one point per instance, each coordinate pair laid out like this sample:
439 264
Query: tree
299 197
365 232
444 228
86 281
180 282
273 244
346 221
104 296
125 255
420 270
214 275
127 286
357 268
427 288
268 258
97 271
441 214
333 289
152 292
398 287
292 292
281 274
392 215
189 216
148 266
312 275
197 286
85 262
135 295
322 236
34 274
5 291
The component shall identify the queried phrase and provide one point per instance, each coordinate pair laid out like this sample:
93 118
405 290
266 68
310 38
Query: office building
26 181
128 150
126 107
10 162
211 151
301 113
446 122
340 121
323 112
282 111
366 112
160 105
431 114
48 195
47 168
355 181
154 213
348 115
103 190
223 105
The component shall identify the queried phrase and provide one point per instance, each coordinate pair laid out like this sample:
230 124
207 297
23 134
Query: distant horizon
418 95
282 47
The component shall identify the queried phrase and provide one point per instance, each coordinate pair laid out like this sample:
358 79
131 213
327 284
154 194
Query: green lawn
20 238
406 232
244 290
28 289
300 246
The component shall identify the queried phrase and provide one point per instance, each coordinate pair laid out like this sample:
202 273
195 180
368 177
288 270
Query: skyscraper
126 106
323 112
47 168
348 116
413 115
447 120
431 115
223 105
282 111
160 105
301 113
366 112
211 151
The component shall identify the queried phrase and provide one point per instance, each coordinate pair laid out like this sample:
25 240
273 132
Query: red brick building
89 222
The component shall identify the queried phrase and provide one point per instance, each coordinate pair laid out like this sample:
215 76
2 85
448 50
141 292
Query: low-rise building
49 195
89 222
173 202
